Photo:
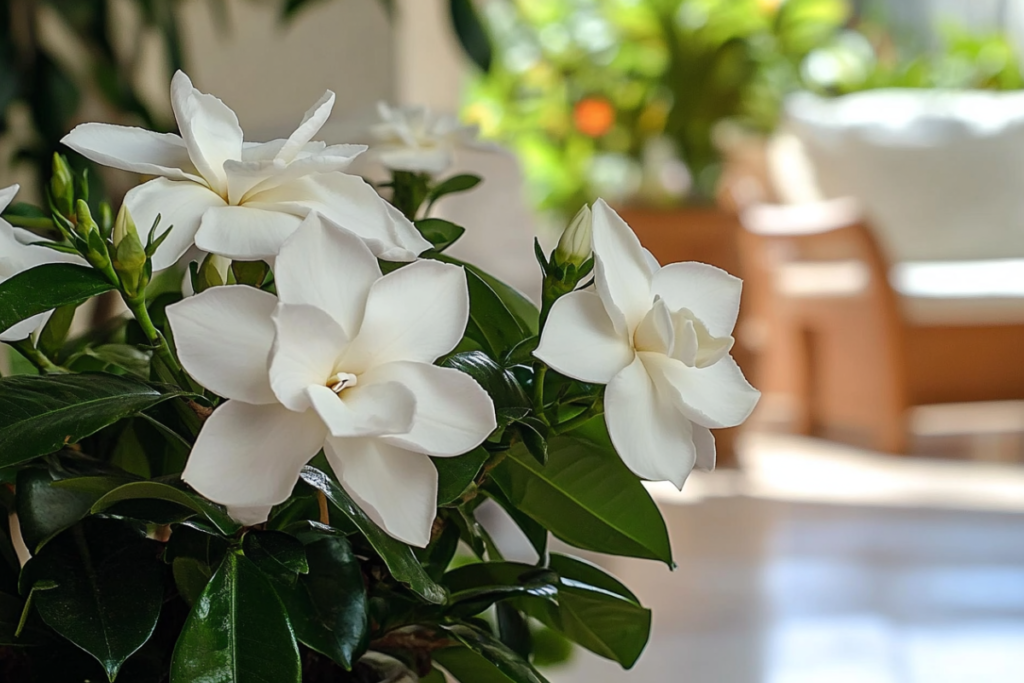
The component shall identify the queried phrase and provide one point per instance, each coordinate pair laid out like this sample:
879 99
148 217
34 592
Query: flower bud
213 273
62 185
129 255
124 225
575 244
85 224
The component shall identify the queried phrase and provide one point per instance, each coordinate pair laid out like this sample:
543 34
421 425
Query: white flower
574 246
17 254
660 339
418 140
342 362
238 199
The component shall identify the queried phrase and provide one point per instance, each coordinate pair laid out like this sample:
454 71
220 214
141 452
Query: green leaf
191 575
124 356
475 587
327 606
441 233
491 322
484 659
471 33
25 215
107 589
39 415
510 400
293 7
45 510
47 287
156 490
525 313
396 555
51 339
585 496
595 611
458 183
279 555
454 475
237 632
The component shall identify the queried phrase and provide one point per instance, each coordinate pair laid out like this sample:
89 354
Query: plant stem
156 339
37 357
595 409
539 374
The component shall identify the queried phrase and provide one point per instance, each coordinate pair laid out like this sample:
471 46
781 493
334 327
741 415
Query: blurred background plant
621 98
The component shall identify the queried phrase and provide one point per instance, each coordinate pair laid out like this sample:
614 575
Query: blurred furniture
698 233
855 340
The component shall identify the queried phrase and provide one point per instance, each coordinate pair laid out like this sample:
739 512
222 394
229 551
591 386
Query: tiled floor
772 588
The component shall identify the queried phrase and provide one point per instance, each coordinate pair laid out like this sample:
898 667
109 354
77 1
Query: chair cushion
937 172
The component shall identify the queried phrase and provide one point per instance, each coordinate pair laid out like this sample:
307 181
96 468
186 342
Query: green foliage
46 287
237 631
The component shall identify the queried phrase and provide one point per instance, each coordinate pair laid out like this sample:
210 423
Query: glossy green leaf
439 232
457 183
191 577
156 490
107 589
491 322
484 659
47 287
522 309
237 632
39 415
475 587
399 557
454 475
327 606
586 496
45 510
595 611
124 356
279 555
510 400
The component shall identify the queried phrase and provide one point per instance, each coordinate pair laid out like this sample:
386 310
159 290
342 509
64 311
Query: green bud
106 220
129 255
575 245
124 225
85 224
213 272
62 185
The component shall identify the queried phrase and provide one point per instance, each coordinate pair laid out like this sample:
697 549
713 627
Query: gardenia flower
17 254
417 140
238 199
342 362
660 339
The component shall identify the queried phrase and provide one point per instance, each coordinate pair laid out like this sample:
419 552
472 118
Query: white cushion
938 173
958 293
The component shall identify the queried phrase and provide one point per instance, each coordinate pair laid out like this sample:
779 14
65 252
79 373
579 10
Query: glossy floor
786 578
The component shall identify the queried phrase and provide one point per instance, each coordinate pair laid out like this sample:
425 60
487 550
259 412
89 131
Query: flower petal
250 456
209 128
580 341
704 442
395 487
651 436
453 413
655 332
244 233
374 410
305 352
7 195
224 337
711 294
134 149
431 160
26 328
312 122
329 268
180 205
622 273
248 178
716 396
416 313
353 204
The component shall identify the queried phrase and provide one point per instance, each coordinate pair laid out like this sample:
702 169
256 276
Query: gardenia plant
277 474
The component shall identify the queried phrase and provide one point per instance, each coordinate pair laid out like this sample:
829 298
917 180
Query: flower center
342 381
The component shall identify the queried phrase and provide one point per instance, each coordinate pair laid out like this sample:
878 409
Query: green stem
37 357
157 340
539 374
596 408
